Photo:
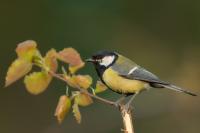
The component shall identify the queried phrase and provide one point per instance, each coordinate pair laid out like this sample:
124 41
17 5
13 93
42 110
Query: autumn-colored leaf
83 99
74 69
71 80
72 57
63 107
37 82
18 69
83 81
100 87
27 49
76 112
50 60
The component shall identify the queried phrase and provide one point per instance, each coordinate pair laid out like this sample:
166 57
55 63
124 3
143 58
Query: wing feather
126 68
144 75
130 70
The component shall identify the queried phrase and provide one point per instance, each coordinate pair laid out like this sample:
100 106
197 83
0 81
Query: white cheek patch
107 60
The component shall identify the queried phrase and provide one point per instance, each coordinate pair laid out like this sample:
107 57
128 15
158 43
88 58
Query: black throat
100 69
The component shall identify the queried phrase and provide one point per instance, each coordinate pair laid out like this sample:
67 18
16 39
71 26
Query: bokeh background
161 35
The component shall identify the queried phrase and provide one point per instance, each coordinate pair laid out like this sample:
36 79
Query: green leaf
37 82
27 50
72 57
83 99
63 107
18 69
77 113
100 87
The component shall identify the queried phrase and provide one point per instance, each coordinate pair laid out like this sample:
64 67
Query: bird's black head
102 60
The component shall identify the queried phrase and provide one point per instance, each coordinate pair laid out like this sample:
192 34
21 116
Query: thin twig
58 76
125 112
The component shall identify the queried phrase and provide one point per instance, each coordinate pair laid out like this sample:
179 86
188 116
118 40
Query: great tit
124 76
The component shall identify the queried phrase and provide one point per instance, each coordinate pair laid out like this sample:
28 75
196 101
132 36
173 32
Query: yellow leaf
18 69
50 60
71 81
27 50
83 81
37 82
76 112
63 107
83 99
72 57
74 69
100 87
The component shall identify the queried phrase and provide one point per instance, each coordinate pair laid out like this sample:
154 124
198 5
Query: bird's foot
118 103
128 107
128 104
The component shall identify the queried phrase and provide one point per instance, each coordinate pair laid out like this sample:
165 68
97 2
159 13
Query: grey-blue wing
144 75
129 69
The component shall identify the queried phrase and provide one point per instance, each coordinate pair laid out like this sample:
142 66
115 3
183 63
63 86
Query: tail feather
178 89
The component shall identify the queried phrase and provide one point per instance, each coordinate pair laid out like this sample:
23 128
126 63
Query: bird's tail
178 89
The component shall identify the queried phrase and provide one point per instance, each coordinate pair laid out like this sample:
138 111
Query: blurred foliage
163 36
37 82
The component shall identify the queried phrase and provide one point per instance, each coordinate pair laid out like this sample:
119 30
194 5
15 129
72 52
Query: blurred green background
162 36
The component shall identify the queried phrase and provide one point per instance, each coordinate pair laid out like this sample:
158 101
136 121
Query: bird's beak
89 60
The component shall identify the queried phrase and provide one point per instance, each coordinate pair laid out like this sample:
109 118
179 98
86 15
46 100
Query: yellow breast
122 85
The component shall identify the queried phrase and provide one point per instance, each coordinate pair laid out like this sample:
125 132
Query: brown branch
127 119
125 112
58 76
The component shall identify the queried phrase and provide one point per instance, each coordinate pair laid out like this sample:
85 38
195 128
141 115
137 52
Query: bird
123 76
